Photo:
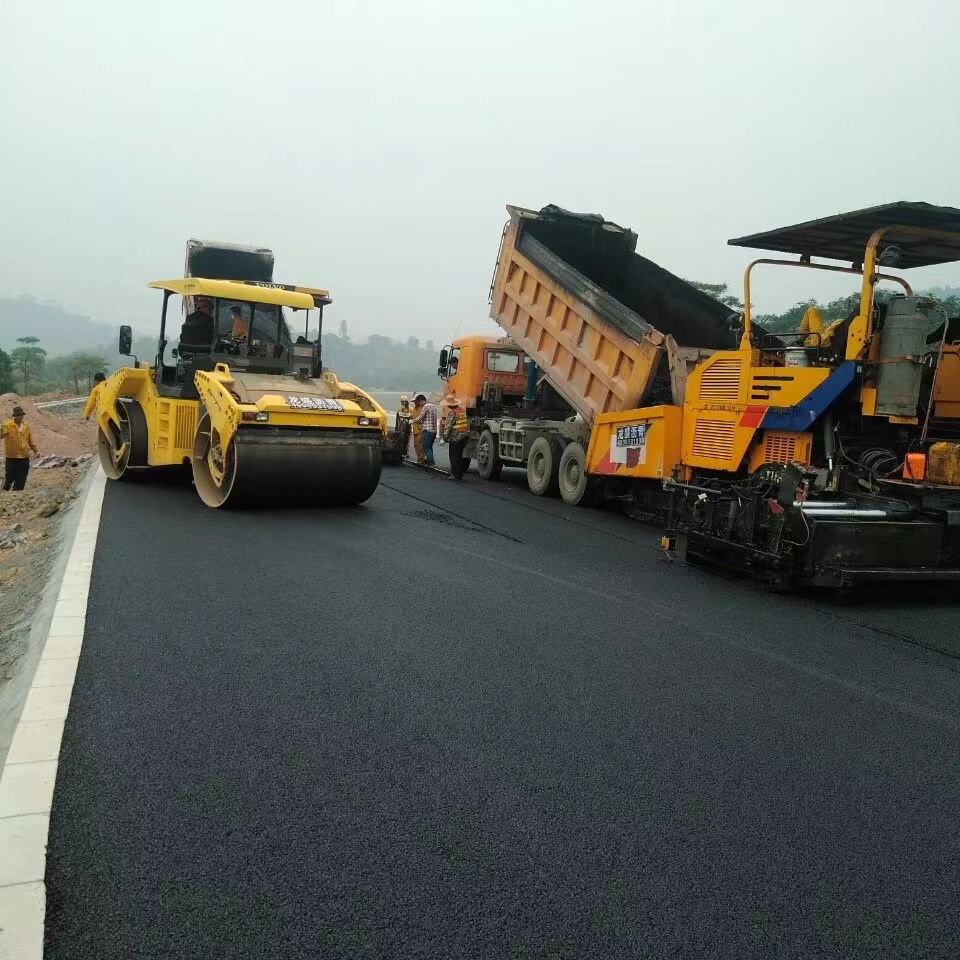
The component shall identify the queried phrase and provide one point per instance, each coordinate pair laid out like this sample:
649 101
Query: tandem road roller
242 402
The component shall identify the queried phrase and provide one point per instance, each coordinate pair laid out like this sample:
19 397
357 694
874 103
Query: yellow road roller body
242 404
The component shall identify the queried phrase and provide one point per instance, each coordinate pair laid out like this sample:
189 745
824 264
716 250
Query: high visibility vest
461 424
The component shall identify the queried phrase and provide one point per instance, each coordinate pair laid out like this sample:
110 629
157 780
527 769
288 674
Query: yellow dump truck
828 456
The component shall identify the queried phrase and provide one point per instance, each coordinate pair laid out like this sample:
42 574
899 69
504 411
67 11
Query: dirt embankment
57 431
30 519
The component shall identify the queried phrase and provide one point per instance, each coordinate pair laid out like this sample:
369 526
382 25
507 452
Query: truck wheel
543 466
576 487
489 465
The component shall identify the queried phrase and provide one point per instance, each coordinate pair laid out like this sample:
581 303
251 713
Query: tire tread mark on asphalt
453 513
886 633
873 628
557 516
525 501
670 615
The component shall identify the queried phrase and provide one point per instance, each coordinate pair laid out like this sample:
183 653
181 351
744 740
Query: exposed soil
30 519
62 433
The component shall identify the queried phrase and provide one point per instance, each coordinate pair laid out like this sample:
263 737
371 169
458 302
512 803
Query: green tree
6 373
28 360
719 291
83 366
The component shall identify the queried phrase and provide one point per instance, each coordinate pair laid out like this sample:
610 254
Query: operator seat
199 361
196 334
838 339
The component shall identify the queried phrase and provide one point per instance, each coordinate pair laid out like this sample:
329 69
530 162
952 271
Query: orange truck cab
470 364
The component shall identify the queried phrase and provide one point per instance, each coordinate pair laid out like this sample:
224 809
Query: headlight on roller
251 416
368 421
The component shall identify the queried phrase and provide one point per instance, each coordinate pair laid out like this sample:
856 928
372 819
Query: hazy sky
374 145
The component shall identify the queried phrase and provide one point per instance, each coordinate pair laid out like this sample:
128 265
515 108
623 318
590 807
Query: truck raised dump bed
604 324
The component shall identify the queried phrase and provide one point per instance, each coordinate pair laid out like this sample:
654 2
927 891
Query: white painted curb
28 777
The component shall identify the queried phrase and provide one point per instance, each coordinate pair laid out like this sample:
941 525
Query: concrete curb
30 771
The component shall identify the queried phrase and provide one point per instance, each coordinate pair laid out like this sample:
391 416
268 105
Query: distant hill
60 331
379 362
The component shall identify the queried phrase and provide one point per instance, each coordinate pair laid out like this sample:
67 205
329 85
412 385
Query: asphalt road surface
464 722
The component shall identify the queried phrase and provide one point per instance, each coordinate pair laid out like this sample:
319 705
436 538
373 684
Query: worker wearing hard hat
18 442
456 432
424 418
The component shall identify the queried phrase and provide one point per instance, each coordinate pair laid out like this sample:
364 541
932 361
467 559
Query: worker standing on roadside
456 432
426 418
18 442
416 428
98 381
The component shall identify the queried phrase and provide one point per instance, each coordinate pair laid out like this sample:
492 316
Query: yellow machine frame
727 396
170 433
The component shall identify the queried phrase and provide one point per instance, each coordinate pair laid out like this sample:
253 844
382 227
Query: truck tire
489 464
576 487
543 466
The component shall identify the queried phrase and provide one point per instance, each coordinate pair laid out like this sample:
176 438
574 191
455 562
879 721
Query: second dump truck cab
470 364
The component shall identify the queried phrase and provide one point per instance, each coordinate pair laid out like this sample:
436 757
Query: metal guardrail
60 403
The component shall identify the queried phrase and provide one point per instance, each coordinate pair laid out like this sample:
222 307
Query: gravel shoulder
36 525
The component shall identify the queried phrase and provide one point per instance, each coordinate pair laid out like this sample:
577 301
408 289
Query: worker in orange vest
18 442
456 432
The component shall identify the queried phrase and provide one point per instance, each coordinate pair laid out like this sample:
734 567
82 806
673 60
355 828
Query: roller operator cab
241 400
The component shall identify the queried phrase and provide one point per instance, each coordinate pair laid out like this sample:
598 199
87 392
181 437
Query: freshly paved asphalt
464 722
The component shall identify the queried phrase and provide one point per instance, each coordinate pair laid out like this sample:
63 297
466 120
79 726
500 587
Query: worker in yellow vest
456 432
98 382
18 442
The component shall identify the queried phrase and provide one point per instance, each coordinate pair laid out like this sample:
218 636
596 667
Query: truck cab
470 363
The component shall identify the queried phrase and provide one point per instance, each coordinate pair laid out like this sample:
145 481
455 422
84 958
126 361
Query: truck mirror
444 356
126 341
